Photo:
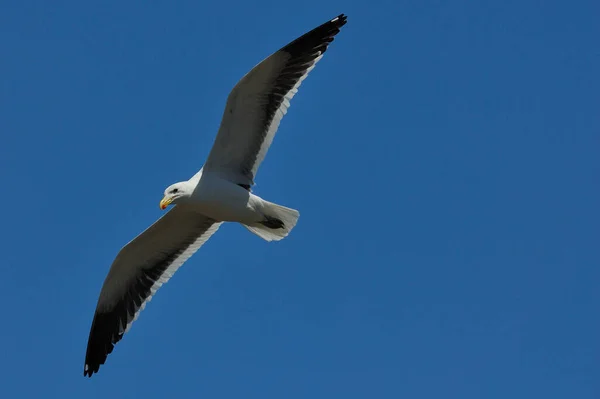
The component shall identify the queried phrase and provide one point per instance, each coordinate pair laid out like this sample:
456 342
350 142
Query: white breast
226 201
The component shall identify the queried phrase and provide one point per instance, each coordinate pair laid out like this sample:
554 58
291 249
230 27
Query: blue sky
443 156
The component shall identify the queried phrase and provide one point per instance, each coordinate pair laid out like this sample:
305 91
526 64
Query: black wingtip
103 338
340 20
337 22
89 371
318 39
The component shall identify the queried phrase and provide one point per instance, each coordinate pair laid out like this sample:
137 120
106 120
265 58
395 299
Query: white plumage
219 192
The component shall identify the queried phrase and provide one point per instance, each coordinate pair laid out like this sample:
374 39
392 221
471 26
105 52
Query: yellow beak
165 202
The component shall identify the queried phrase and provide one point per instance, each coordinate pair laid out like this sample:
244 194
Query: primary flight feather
219 192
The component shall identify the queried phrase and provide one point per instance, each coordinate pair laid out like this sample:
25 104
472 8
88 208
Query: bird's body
221 199
219 192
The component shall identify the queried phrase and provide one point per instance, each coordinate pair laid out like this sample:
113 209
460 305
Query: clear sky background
443 156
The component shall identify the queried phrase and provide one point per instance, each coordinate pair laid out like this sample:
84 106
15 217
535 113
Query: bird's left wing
138 271
259 101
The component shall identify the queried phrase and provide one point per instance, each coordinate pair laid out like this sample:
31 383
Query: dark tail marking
272 223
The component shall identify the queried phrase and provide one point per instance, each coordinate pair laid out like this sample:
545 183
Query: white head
176 194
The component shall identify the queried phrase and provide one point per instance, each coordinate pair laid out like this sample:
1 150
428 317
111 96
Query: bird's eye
175 190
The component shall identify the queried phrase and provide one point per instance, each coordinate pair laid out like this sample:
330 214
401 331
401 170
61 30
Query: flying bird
219 192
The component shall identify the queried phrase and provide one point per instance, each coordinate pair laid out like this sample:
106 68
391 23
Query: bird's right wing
259 101
138 271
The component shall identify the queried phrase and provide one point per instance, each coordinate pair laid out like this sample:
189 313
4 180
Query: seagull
220 192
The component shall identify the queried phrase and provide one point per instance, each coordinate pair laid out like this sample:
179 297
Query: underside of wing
259 101
139 270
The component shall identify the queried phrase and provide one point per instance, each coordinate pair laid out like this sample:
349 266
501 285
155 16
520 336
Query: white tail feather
288 216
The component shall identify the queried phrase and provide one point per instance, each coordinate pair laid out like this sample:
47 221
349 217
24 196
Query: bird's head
176 193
